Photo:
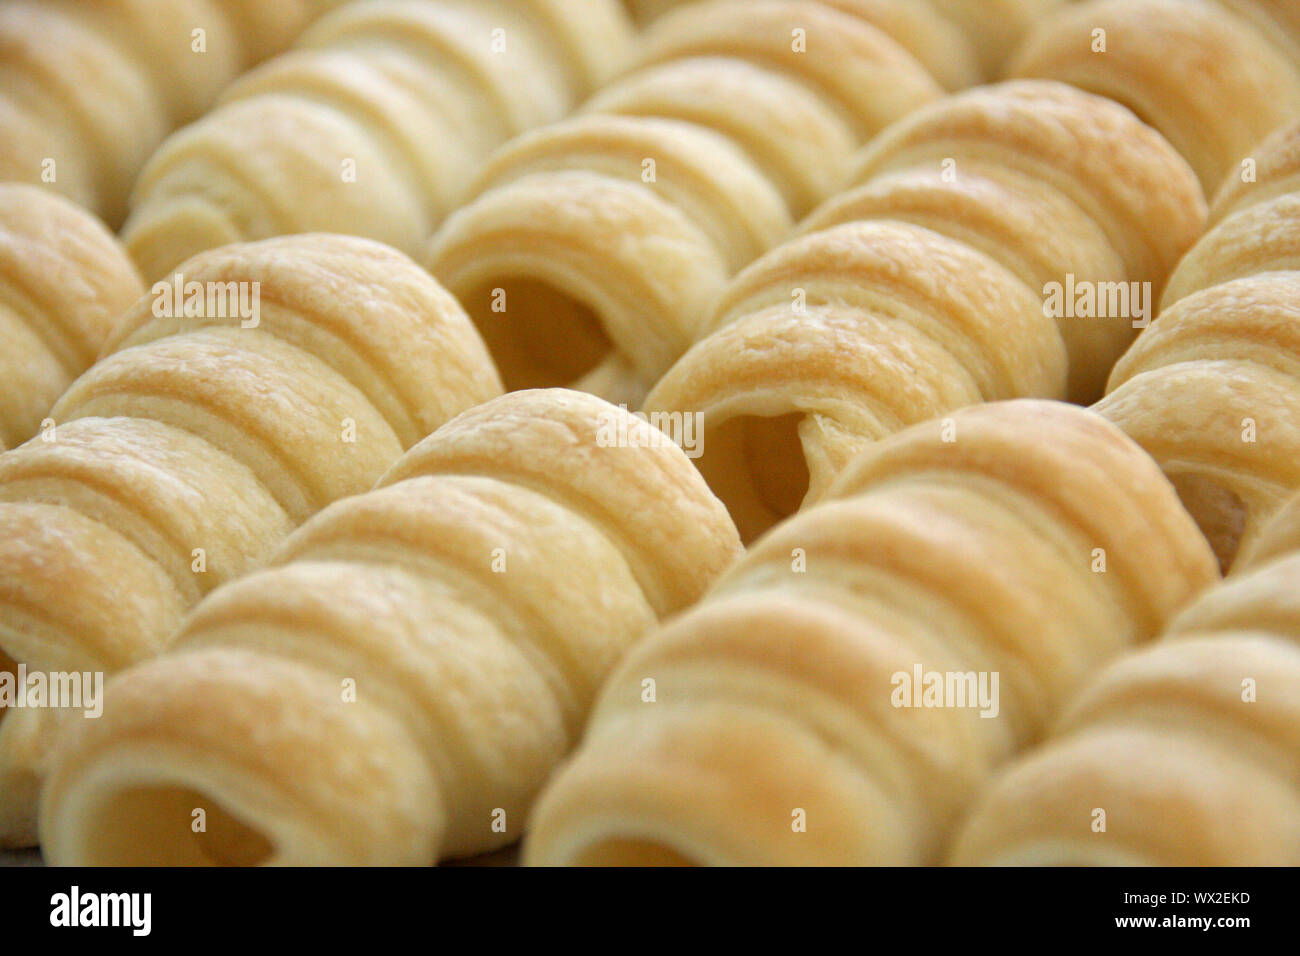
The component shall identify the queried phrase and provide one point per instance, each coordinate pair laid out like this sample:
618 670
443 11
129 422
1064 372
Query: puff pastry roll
1212 392
594 247
182 458
373 125
1186 753
90 87
960 41
64 279
1212 388
1208 80
936 42
780 732
922 291
447 601
940 45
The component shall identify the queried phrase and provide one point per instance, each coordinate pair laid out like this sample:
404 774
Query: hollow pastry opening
1219 512
7 666
755 465
616 851
163 826
539 335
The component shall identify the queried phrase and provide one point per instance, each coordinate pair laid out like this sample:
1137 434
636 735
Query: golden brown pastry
415 662
940 45
182 458
901 324
960 41
1186 753
1212 388
801 146
1028 540
594 247
927 288
1208 80
1122 174
947 53
90 87
1212 392
64 279
373 125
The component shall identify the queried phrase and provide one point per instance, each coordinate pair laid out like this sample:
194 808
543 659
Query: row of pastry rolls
1026 540
373 125
64 280
1212 388
1213 76
592 248
1185 753
185 455
398 683
90 87
924 288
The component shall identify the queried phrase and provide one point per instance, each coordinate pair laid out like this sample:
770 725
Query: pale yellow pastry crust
373 125
1188 747
925 288
773 695
95 85
182 458
458 599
